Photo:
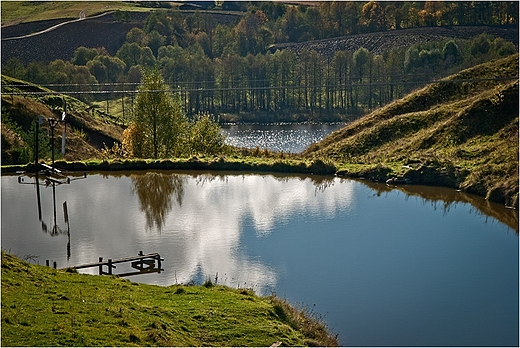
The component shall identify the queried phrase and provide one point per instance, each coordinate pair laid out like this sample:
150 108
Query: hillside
381 42
61 43
461 133
106 31
87 130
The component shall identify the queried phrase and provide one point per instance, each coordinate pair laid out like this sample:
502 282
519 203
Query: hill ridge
379 42
466 132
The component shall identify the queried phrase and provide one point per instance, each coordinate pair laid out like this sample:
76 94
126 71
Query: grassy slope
454 134
86 131
14 12
58 308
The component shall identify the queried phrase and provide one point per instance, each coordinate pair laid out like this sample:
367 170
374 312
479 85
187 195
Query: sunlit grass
30 11
60 308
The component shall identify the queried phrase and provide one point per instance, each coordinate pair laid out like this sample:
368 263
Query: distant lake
286 137
384 266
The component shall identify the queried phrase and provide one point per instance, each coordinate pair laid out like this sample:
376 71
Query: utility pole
53 123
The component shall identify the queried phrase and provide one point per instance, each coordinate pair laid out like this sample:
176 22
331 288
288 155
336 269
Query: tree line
227 68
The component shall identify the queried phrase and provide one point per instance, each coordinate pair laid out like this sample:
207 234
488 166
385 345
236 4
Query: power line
245 88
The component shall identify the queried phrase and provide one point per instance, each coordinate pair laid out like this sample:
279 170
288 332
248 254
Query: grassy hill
87 130
42 306
15 12
461 132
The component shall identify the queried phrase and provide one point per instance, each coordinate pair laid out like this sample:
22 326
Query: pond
287 137
383 266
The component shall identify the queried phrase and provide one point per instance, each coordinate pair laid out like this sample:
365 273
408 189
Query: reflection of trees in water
446 199
201 179
155 191
322 183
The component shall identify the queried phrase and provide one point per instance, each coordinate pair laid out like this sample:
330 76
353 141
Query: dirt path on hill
55 27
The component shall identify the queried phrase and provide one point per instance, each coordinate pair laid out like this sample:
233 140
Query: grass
116 109
14 12
87 130
61 308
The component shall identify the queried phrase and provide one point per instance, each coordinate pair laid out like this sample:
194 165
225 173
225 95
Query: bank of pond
64 308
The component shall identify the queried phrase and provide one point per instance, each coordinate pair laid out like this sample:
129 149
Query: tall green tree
159 116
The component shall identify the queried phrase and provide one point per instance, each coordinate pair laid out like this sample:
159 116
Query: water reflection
446 198
55 230
155 192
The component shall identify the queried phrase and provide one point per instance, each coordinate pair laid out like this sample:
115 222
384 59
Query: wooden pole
52 124
100 266
36 145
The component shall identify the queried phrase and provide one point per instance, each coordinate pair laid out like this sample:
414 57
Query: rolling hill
461 132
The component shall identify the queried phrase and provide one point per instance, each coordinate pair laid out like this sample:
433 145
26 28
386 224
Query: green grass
46 307
220 163
30 11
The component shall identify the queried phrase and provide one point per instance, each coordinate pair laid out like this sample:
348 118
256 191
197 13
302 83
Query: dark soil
61 43
380 42
31 27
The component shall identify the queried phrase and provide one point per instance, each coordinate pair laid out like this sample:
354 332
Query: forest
232 68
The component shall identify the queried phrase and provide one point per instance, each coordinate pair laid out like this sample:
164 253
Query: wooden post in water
54 264
100 266
47 263
141 254
109 266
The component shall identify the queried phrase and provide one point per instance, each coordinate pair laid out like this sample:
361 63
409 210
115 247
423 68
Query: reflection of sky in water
201 230
292 138
386 266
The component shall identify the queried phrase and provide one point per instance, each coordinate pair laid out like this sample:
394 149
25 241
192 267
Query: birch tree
159 117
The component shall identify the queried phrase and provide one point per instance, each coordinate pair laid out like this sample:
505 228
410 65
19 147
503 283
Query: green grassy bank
432 171
42 306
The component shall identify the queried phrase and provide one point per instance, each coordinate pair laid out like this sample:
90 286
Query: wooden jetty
51 175
143 263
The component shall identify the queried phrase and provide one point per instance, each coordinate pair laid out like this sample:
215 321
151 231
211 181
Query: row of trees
270 22
285 82
340 18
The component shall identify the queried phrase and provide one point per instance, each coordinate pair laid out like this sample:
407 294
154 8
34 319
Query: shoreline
428 174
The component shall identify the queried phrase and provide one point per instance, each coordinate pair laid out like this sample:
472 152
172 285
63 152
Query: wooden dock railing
143 263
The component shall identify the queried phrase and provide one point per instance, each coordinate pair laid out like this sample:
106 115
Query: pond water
287 137
384 266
